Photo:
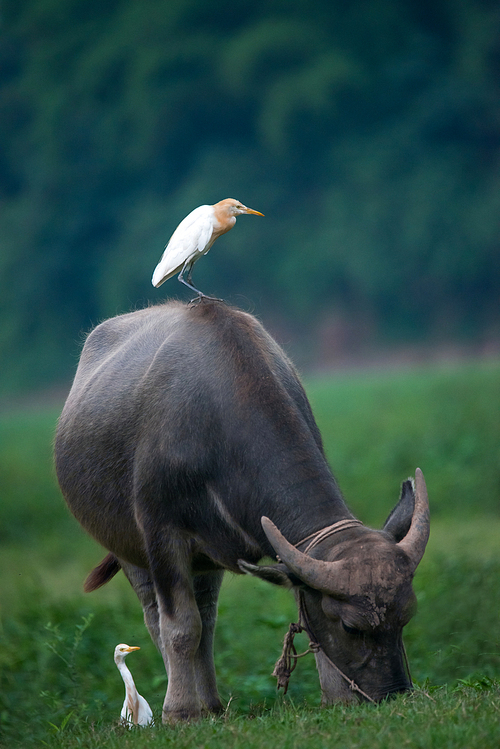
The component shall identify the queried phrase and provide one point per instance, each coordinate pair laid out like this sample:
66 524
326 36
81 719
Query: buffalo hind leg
206 590
144 588
179 621
180 632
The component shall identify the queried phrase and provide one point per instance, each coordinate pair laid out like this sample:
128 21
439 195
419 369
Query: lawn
59 686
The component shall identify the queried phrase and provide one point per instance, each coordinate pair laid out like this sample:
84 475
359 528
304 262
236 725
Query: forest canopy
368 133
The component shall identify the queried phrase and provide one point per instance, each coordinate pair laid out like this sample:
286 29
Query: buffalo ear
399 521
275 573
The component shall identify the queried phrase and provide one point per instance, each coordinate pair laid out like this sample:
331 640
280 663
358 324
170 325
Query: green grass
467 717
58 683
378 429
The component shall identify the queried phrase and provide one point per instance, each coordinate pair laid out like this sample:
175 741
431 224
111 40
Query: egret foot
201 297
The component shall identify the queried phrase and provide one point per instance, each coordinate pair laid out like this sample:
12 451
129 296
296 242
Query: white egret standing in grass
194 237
135 710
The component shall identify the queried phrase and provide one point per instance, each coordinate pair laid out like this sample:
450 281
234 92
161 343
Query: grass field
60 688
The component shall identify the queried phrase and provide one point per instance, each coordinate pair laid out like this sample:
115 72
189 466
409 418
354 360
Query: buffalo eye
352 630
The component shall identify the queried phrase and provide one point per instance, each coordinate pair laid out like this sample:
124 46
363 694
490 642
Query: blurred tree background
367 132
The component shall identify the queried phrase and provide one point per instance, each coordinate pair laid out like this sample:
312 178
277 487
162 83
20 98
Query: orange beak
133 647
255 213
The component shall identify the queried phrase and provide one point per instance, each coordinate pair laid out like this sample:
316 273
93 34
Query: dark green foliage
366 132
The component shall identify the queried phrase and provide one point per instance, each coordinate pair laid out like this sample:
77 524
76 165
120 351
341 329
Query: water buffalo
187 447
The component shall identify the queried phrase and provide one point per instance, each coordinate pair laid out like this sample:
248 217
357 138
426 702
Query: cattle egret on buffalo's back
194 237
135 710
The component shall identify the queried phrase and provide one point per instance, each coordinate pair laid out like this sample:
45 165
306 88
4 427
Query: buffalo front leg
206 590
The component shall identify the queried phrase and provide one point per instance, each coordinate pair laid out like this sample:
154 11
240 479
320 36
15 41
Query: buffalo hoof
173 717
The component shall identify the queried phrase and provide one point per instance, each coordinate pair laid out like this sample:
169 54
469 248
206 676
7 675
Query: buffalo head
355 593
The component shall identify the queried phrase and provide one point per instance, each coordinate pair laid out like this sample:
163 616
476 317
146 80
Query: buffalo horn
415 541
315 573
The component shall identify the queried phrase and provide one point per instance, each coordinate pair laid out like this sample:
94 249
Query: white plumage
194 237
135 710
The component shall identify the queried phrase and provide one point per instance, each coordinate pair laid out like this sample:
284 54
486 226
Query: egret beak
132 647
255 213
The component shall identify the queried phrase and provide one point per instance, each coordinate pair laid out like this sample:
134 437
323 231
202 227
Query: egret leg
188 282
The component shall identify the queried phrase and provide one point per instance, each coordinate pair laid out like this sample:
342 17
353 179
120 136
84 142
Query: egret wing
126 715
144 713
188 241
145 717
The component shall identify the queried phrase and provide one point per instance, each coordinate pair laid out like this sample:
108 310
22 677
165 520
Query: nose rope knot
287 662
